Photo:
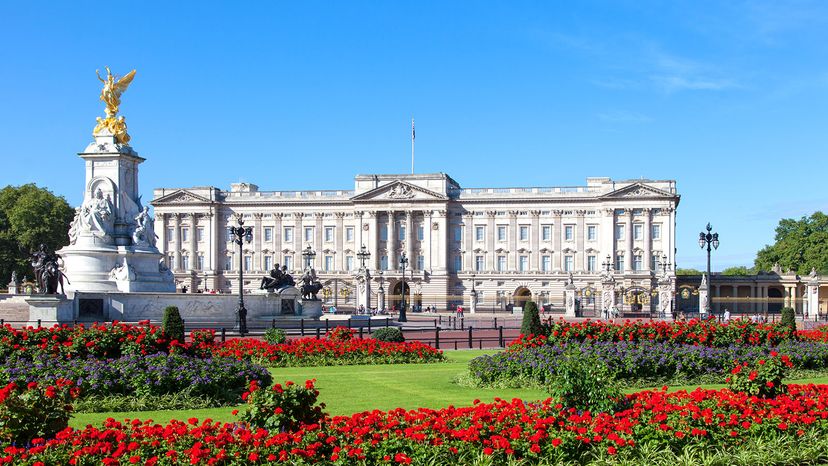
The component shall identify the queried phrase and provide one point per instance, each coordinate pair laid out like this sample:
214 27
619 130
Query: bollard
471 343
349 323
223 334
75 323
369 325
455 345
435 323
480 344
326 327
500 336
387 322
302 327
360 332
317 332
273 323
38 323
440 319
437 337
2 322
461 323
495 323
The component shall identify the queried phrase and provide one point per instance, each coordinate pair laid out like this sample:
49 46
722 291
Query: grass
351 389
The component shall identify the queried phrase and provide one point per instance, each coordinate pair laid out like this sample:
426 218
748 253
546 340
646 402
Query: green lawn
350 389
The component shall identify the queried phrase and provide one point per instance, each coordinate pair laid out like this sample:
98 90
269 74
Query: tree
30 216
531 324
739 270
799 245
688 272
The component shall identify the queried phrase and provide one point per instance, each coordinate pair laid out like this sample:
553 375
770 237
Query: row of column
758 298
208 248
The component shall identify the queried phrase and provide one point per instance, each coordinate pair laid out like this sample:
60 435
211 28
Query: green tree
739 270
688 272
30 216
799 245
531 324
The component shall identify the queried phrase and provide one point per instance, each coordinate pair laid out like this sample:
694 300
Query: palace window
383 262
420 233
349 263
478 263
619 231
171 261
501 263
591 263
569 232
619 263
248 263
349 234
185 262
546 263
171 231
458 263
288 234
569 263
501 233
228 262
268 235
329 234
308 233
185 234
288 262
523 263
591 232
200 234
383 232
268 262
638 231
420 262
546 232
638 262
524 233
479 233
328 263
200 262
401 233
656 231
458 233
654 262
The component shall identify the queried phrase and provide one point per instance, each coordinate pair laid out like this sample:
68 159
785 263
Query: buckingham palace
508 244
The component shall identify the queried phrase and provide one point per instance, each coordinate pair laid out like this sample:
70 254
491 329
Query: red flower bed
319 352
693 332
819 334
706 418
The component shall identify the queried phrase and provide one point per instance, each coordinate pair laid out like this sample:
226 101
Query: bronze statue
47 271
278 279
310 285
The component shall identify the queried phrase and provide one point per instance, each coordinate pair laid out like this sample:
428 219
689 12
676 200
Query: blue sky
728 98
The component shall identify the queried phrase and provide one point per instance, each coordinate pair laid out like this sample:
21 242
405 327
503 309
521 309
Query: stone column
608 235
557 228
490 240
177 242
442 238
513 233
409 239
339 235
428 222
258 238
373 238
569 299
534 241
320 256
218 238
359 238
391 243
580 236
812 296
648 240
298 238
703 296
277 238
468 249
193 242
736 306
161 231
628 249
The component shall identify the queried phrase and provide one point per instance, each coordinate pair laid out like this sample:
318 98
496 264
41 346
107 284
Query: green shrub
172 324
789 320
389 334
531 320
281 408
275 336
585 382
762 377
35 410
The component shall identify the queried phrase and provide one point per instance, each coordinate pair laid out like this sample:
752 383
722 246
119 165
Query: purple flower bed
636 360
222 379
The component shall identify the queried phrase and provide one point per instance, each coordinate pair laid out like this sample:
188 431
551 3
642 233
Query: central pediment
181 196
638 190
399 191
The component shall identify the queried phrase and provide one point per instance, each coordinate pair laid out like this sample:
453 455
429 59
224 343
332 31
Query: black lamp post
708 239
403 263
240 235
363 255
608 264
309 254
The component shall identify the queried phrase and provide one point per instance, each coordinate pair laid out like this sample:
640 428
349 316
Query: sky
728 98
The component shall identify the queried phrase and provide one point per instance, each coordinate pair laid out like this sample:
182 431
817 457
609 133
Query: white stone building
514 243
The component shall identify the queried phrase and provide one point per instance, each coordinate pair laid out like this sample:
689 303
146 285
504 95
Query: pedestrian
726 315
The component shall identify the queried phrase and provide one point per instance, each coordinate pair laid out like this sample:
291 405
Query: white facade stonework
516 243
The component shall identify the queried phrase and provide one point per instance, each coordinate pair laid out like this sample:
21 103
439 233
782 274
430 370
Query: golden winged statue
111 96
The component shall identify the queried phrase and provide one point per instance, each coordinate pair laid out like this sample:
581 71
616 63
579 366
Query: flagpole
413 136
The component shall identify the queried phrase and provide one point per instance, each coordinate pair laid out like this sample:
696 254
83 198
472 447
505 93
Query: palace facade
510 244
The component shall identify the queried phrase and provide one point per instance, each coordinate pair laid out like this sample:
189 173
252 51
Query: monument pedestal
311 308
569 299
50 309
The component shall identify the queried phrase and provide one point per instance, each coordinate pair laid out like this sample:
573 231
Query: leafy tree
799 245
30 216
688 272
739 270
531 324
172 324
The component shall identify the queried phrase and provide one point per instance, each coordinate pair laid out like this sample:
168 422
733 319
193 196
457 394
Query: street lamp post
708 239
241 235
308 254
363 255
403 263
